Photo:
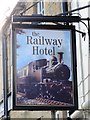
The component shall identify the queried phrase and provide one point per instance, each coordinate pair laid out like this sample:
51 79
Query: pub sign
44 67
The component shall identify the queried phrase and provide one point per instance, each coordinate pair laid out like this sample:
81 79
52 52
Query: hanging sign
44 67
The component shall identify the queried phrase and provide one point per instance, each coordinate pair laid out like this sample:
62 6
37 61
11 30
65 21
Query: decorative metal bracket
53 19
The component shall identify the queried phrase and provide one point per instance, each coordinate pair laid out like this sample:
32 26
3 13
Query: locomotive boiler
57 70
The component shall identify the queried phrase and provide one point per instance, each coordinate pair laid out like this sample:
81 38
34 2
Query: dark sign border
74 65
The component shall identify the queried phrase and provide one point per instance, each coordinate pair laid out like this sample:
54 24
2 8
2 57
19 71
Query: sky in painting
25 51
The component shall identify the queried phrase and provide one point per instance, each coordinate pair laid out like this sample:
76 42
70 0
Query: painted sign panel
44 67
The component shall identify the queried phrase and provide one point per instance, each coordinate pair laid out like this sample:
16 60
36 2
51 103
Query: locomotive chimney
60 56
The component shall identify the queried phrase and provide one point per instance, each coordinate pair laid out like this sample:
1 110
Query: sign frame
74 66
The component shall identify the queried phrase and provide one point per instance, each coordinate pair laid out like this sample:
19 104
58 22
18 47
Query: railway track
52 102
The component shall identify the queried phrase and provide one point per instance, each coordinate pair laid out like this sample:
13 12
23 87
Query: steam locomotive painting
44 67
45 82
